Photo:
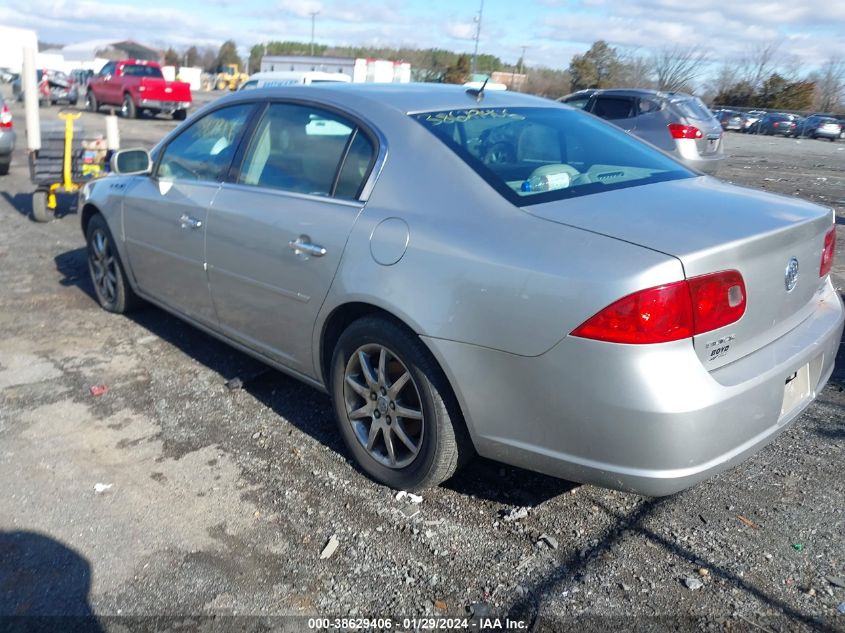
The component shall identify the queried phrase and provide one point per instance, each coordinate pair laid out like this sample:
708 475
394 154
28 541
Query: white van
276 79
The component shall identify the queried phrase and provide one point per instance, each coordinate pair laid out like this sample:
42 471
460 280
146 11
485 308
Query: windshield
534 155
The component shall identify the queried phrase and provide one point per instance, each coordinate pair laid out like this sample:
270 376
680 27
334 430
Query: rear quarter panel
478 269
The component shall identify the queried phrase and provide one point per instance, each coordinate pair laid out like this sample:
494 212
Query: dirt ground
171 495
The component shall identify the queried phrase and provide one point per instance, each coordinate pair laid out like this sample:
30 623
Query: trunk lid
163 90
712 226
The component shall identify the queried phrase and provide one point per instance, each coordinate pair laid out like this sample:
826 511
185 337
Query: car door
104 84
619 110
164 214
276 233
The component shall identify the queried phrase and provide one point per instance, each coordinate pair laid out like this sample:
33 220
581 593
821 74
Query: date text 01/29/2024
417 624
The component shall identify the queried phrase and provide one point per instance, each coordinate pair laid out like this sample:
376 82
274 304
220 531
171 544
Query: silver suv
675 122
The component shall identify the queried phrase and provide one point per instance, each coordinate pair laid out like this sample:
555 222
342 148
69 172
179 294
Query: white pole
112 132
29 85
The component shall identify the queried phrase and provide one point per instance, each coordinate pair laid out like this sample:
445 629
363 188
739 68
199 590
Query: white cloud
301 8
461 30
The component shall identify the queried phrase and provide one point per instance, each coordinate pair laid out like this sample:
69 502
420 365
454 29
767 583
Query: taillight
827 251
5 118
775 124
718 299
670 312
679 130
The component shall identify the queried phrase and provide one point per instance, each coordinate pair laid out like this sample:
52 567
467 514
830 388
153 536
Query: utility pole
477 35
313 15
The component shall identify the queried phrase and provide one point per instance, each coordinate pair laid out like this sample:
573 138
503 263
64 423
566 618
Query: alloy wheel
103 266
383 406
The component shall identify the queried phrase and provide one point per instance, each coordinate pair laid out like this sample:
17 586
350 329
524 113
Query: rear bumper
7 145
826 134
687 151
647 419
163 106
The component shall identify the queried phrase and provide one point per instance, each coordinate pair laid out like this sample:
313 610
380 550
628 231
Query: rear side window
613 108
647 106
356 166
300 148
693 108
533 155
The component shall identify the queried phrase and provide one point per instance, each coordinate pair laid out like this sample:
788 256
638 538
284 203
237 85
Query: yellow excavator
230 78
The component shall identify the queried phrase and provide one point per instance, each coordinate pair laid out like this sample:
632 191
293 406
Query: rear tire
411 438
179 115
91 103
4 168
40 211
112 288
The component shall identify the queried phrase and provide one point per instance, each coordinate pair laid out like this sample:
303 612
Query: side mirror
127 162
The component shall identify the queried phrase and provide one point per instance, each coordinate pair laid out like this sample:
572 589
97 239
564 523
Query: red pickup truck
136 85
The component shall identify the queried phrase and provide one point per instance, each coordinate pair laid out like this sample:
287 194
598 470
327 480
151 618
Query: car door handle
187 222
302 246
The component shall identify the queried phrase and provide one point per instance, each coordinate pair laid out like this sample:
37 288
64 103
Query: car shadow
44 585
637 525
66 203
305 407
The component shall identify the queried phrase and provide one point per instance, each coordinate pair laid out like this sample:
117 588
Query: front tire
111 286
128 109
91 103
394 408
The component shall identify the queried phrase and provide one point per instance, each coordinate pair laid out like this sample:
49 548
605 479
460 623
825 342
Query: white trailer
12 42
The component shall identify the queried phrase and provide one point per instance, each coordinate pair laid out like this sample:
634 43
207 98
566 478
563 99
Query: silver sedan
480 273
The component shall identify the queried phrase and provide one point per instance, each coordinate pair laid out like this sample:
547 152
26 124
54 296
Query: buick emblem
791 277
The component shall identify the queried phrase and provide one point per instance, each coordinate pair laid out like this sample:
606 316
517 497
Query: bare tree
635 70
676 68
760 62
722 81
830 85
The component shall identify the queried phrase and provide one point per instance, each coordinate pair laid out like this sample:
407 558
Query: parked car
82 77
590 308
137 86
774 123
7 137
276 79
819 126
677 123
729 120
54 86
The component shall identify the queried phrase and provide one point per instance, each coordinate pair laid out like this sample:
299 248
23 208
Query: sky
809 31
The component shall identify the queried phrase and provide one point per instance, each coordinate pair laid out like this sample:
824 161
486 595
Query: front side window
108 69
299 148
203 151
533 155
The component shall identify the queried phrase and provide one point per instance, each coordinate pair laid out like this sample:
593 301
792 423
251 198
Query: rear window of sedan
536 155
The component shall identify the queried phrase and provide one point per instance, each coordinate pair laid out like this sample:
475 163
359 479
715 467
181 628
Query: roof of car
643 92
407 98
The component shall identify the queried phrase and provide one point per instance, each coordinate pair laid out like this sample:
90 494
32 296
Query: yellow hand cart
57 167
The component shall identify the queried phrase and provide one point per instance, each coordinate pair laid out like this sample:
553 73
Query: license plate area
796 390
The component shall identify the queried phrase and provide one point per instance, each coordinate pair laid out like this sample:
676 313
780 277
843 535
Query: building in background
93 55
360 70
12 42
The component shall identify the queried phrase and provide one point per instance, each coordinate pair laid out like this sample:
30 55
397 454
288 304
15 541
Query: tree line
763 77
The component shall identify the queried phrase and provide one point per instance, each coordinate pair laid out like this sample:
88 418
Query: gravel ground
171 495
